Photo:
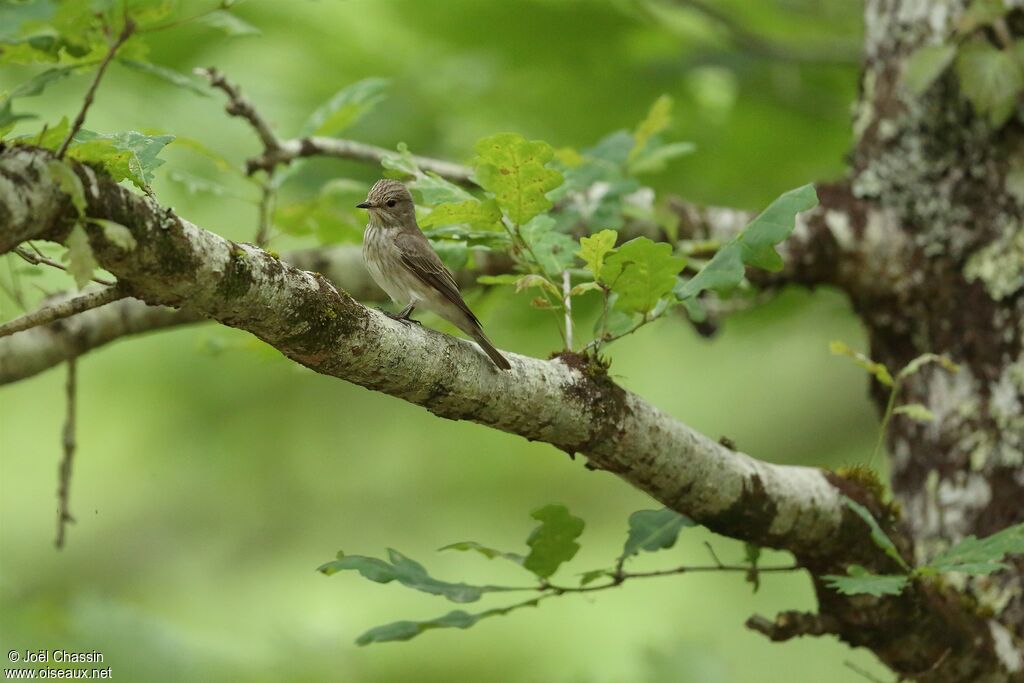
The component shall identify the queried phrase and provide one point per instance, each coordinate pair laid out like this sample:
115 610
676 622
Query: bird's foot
404 319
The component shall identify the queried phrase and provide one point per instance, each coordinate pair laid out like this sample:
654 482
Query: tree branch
566 402
277 151
56 311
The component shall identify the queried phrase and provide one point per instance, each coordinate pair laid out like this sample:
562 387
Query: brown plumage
402 262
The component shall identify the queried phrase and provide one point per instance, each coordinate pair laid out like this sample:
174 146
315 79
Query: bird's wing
421 259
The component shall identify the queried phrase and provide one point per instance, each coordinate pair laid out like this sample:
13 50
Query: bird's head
390 202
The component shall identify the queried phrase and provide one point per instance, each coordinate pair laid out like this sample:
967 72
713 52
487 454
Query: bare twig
792 624
126 32
266 209
276 151
53 312
39 257
751 42
567 302
289 150
240 106
64 485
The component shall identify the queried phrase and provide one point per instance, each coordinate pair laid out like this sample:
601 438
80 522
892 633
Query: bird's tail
495 355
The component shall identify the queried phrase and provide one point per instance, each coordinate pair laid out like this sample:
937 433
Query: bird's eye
391 202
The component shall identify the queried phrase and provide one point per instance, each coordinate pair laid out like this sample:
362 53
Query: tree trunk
941 171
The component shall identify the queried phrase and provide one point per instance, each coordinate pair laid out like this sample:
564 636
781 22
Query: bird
402 263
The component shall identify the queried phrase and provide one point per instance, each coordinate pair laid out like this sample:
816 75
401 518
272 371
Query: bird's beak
365 205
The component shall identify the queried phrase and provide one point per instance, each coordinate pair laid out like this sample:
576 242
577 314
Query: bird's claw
405 320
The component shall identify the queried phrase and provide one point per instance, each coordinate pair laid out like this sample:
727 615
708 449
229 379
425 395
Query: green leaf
773 226
585 287
407 572
651 530
489 553
925 65
915 411
554 541
484 215
594 248
924 359
401 162
555 251
38 83
755 246
129 155
641 272
533 280
330 216
859 581
877 535
69 183
434 189
981 13
655 157
752 554
513 169
346 107
228 23
405 630
991 79
79 257
117 234
658 119
594 575
52 136
171 76
503 279
980 556
880 372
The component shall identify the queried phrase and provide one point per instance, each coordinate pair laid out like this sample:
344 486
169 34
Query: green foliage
649 154
123 156
553 251
515 171
641 272
991 78
554 541
69 183
880 372
79 257
877 535
481 215
925 66
405 630
974 556
924 359
404 570
860 581
651 530
915 411
594 248
116 233
167 75
329 216
489 553
228 23
981 13
345 108
755 246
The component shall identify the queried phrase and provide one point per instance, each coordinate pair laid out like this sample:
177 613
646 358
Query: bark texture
941 172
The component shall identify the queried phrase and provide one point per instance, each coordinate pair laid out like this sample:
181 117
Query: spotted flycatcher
402 262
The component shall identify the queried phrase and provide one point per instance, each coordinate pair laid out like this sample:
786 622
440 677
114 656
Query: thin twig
64 309
567 301
240 106
64 485
38 258
265 212
129 28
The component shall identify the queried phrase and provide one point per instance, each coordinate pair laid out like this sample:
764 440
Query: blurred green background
213 477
